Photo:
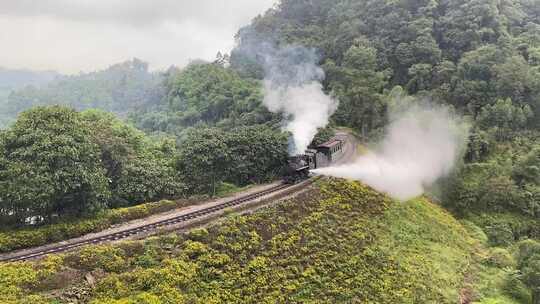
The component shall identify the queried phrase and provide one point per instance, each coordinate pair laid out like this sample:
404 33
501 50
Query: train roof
330 144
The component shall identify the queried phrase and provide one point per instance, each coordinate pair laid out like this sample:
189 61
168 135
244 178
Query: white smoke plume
306 109
422 144
292 87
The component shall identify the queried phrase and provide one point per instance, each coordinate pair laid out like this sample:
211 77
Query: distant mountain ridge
17 78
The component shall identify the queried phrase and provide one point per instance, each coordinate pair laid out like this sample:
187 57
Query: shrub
13 278
112 286
476 232
500 234
515 288
198 234
501 258
106 257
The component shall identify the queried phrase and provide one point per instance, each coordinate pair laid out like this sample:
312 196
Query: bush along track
341 243
32 237
186 219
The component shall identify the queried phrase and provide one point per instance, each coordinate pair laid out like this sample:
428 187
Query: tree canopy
50 166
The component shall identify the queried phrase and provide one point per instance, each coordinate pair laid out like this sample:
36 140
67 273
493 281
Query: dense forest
187 131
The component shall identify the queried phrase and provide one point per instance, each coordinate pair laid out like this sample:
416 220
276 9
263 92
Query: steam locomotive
299 166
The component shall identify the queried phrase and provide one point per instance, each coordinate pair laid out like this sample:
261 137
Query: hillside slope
340 243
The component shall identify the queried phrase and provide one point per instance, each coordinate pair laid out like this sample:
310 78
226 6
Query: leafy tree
209 93
357 85
528 254
531 277
138 169
148 177
322 136
504 117
514 79
209 156
478 146
205 94
203 160
258 154
527 168
468 24
50 166
474 87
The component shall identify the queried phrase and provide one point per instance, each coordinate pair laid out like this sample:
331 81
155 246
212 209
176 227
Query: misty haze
269 151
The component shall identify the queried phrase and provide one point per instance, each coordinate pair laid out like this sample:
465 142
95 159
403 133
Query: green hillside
342 243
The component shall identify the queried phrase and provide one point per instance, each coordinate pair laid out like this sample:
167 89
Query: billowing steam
422 144
292 86
306 108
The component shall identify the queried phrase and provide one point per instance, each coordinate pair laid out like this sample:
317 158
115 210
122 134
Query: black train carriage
322 156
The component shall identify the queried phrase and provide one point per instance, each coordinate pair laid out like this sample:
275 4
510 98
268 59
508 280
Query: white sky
85 35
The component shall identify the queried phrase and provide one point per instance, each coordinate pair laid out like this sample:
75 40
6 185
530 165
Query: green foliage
100 256
528 253
502 179
17 278
358 84
55 161
501 258
208 94
242 156
226 189
531 277
138 169
323 135
424 237
504 117
204 160
482 57
466 53
50 166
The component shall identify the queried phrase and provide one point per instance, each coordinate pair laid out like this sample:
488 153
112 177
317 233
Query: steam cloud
307 109
422 144
292 86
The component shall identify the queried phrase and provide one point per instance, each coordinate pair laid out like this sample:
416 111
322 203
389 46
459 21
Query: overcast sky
84 35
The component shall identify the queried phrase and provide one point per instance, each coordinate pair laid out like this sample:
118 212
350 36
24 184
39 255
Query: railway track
152 226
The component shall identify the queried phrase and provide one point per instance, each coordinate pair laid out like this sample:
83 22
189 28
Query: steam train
299 166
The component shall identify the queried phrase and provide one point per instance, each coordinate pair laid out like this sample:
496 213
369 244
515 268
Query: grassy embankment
343 243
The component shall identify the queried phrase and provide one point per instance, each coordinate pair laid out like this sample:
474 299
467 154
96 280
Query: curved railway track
170 223
152 226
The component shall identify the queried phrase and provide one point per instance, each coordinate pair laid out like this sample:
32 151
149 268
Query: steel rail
152 226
